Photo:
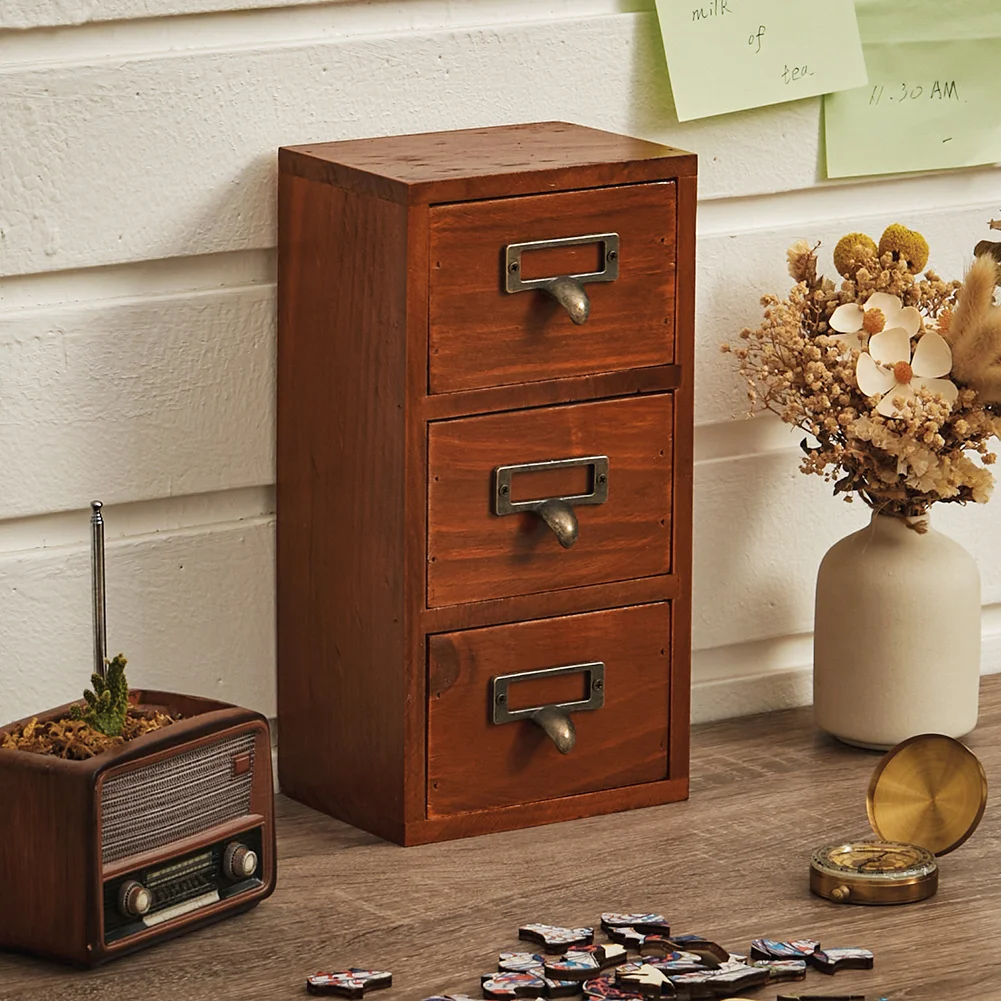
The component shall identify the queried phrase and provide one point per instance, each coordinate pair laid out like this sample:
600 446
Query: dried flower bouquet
895 377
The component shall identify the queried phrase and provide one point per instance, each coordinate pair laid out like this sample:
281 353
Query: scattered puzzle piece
676 962
607 954
573 966
782 969
711 953
451 997
553 938
649 924
627 936
767 948
511 985
646 978
351 983
521 962
832 960
823 997
728 976
606 989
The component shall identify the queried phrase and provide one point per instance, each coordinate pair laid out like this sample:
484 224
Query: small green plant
108 705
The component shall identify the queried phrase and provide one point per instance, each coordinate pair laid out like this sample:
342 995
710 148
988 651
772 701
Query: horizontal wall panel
735 269
193 612
286 16
111 165
131 400
761 530
54 13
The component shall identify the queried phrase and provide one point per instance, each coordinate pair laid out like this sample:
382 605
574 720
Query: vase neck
889 524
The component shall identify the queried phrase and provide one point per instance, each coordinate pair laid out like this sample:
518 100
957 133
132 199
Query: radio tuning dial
134 900
239 861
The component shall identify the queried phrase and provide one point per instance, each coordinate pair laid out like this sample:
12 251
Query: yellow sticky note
927 105
728 55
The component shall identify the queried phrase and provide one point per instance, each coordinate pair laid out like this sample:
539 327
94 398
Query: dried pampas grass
974 332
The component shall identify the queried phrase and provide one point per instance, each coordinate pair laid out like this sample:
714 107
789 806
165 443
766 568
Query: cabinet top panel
484 163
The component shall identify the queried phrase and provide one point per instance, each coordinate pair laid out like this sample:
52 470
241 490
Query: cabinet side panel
48 860
684 419
340 501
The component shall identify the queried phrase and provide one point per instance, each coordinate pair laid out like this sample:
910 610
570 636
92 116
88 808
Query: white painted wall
137 226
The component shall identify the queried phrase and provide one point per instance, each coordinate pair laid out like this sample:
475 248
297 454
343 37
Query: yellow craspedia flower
905 245
851 252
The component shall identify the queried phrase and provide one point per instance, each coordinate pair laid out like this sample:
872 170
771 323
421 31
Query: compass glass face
877 859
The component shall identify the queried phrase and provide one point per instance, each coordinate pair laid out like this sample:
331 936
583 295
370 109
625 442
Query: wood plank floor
731 863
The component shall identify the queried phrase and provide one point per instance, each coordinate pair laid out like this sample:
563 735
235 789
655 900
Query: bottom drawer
476 764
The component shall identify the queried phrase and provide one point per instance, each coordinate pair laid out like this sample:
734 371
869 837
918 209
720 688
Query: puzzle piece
605 988
823 997
649 924
512 984
553 938
574 966
767 948
676 962
452 997
627 936
782 969
711 953
728 976
521 962
350 983
650 981
832 960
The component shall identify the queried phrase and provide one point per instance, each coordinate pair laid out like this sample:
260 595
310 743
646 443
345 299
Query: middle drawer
475 553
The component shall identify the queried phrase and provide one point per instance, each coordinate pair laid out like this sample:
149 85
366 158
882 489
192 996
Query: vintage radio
172 830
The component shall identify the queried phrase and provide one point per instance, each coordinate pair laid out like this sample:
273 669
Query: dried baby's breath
797 367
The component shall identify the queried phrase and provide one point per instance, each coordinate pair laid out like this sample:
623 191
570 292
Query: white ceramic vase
896 636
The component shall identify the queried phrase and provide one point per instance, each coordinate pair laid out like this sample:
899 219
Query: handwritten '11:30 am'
940 90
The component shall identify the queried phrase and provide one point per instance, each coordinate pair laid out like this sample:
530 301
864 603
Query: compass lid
929 790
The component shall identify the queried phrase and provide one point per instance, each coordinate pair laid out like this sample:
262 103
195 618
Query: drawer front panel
481 335
476 764
475 554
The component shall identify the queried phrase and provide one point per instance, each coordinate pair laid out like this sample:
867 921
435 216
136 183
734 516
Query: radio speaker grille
178 797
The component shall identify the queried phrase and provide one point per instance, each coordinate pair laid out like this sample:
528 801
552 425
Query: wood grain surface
473 555
622 743
486 163
482 335
731 863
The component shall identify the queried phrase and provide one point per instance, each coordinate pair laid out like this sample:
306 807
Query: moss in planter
77 739
104 721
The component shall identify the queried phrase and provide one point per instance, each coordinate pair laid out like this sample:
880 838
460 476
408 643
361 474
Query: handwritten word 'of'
717 8
944 90
755 37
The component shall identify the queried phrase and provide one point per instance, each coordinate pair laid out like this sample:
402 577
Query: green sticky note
728 55
927 105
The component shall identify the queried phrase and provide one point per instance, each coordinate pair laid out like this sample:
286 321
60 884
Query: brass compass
926 797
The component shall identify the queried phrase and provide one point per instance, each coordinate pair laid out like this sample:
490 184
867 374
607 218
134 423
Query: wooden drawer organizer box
484 492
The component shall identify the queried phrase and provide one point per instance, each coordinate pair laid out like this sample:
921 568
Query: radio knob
134 900
239 861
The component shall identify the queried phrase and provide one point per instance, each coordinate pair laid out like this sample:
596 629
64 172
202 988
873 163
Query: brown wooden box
408 376
53 869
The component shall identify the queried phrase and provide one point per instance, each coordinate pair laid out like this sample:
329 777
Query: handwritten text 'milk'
715 8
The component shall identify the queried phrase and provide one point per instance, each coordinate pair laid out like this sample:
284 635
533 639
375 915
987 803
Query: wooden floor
731 863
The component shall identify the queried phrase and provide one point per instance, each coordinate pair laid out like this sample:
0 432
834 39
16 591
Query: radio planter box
168 832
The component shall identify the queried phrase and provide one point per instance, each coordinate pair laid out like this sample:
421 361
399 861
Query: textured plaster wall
137 230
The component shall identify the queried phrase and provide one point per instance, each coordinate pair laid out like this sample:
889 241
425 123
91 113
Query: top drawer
481 335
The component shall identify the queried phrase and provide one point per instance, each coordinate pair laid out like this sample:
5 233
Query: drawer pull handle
567 290
557 512
570 294
560 517
558 726
554 719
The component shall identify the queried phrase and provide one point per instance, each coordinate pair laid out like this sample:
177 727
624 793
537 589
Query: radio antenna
97 579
